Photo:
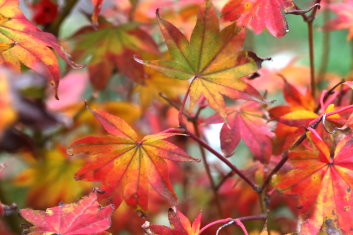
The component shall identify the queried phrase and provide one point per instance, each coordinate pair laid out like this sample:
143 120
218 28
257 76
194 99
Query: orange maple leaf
126 164
84 217
323 181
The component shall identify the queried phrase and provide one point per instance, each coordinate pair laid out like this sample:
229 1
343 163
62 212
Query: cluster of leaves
122 130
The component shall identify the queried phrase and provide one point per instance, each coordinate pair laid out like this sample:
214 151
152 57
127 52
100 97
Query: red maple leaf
258 14
323 181
126 164
84 217
245 122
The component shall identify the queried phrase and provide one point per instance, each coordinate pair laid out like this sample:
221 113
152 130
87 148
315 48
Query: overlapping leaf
259 14
156 83
300 109
180 225
51 179
211 59
84 217
128 165
112 47
245 122
323 181
293 117
23 43
344 19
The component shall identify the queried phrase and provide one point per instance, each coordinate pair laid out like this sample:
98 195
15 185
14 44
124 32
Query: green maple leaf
212 59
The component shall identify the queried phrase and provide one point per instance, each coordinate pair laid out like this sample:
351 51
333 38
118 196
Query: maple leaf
245 122
181 225
127 164
299 113
344 19
300 109
84 217
156 83
323 181
23 43
234 187
50 180
112 47
258 14
211 59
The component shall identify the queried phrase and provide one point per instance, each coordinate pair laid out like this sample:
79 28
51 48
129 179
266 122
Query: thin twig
285 156
225 221
224 179
309 19
311 56
325 47
237 222
181 110
174 105
328 94
223 159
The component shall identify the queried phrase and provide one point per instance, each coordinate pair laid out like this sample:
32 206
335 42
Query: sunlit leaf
211 59
323 181
128 165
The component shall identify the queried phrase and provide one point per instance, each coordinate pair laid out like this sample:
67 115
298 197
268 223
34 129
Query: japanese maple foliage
323 180
24 43
84 217
164 84
127 164
259 14
211 59
245 122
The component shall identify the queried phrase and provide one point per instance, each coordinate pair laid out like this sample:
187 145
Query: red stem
223 159
312 61
341 110
223 221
